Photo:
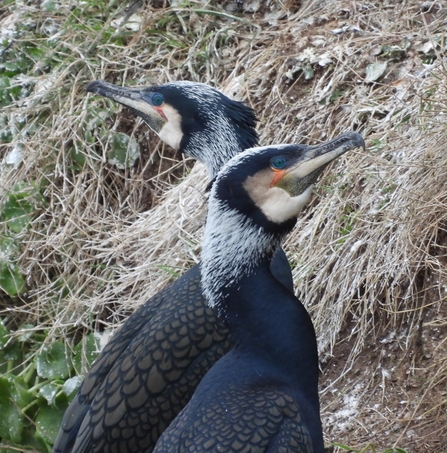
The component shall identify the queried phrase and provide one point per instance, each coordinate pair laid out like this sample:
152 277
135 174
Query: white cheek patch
171 132
279 206
276 204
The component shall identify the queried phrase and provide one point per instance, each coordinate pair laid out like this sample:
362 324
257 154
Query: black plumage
262 396
151 366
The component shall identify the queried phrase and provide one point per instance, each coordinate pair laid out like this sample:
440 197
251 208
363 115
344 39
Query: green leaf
12 351
17 219
86 352
49 392
308 72
395 53
124 151
16 209
48 421
8 247
48 5
12 418
374 71
12 281
71 385
53 361
26 332
77 156
21 394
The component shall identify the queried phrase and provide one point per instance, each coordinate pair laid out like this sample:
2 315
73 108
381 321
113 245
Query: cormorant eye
277 162
158 100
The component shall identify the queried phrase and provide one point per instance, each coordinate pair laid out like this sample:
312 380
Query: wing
147 372
233 420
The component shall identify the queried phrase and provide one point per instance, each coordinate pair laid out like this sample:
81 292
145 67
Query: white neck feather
232 244
219 147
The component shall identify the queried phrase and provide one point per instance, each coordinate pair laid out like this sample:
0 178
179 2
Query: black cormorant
151 366
193 118
262 396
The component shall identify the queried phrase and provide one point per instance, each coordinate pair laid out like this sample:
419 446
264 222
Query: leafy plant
16 214
37 382
124 151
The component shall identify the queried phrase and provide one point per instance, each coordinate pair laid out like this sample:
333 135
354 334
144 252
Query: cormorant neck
217 144
265 318
232 247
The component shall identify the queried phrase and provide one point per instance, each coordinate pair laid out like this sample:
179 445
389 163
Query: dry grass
369 255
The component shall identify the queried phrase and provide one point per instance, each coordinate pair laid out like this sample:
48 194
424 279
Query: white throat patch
171 132
276 204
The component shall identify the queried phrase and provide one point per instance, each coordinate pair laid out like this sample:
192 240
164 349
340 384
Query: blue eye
158 100
277 162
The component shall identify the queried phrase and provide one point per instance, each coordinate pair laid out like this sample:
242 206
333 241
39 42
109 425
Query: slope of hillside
88 234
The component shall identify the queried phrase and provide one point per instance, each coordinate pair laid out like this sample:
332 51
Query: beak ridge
306 170
114 92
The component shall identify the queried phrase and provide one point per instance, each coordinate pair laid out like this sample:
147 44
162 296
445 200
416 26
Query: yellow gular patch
276 204
171 132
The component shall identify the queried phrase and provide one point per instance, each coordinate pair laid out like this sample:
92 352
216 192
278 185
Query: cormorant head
272 184
193 118
254 202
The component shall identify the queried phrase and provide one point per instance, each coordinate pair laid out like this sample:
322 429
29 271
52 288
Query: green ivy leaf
53 361
77 156
49 392
26 333
48 422
16 208
21 394
12 418
12 281
124 151
71 385
308 72
8 247
85 352
12 351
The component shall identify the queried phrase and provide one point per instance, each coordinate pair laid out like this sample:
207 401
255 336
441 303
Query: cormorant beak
136 99
303 173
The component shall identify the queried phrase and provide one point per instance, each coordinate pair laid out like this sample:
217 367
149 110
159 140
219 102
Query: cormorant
151 366
193 118
262 396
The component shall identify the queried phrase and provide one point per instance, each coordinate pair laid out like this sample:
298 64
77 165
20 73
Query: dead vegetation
369 254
